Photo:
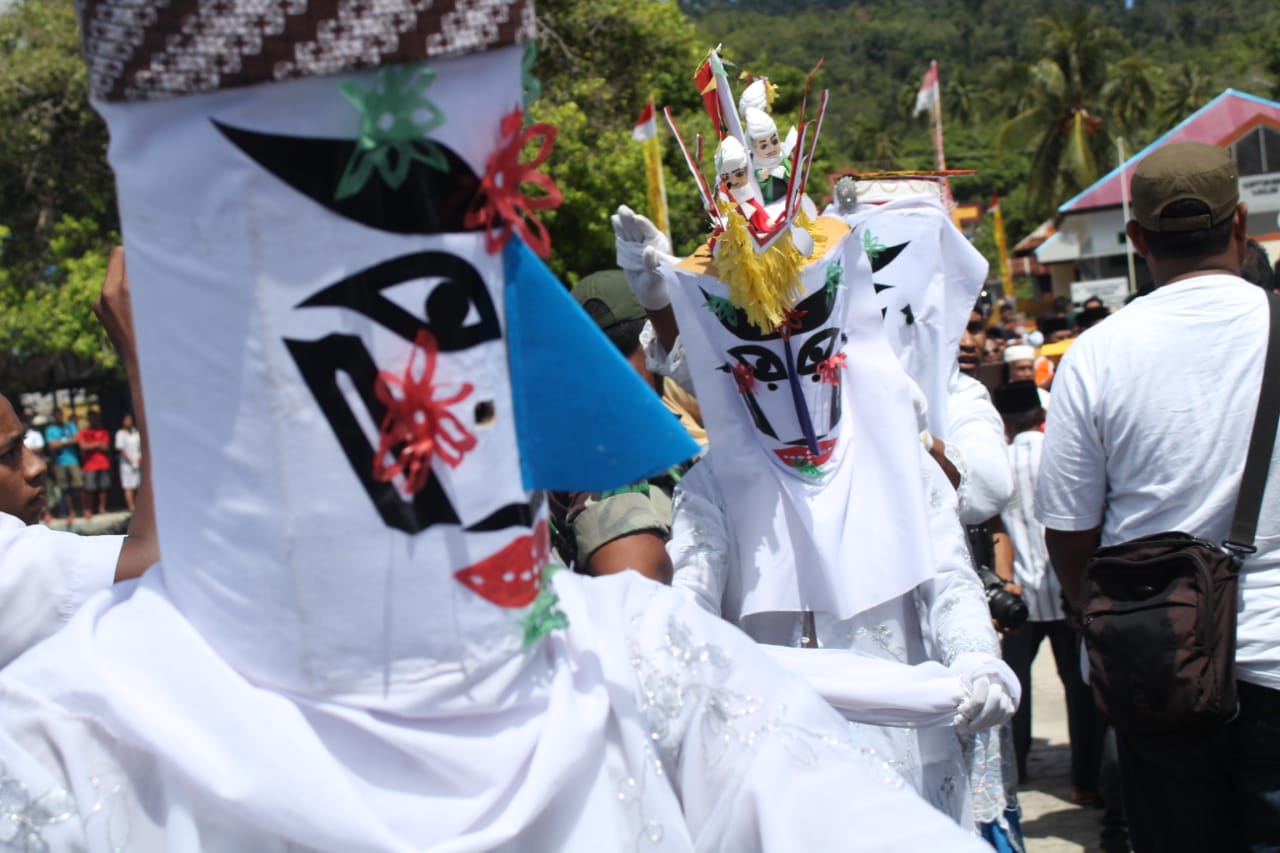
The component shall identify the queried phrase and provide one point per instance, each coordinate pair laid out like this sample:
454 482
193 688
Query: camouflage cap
1185 171
610 288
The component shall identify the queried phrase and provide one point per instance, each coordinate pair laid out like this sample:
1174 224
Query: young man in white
1150 421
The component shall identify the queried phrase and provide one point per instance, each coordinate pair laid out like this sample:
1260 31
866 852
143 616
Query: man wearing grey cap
1150 423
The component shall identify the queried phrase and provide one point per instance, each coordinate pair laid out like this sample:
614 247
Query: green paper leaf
835 279
872 246
532 85
721 307
396 118
544 614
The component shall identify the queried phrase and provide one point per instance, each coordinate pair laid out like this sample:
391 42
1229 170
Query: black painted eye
484 413
449 304
457 309
816 350
764 363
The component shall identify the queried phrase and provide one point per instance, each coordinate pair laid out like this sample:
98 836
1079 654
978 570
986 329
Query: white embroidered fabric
940 620
649 722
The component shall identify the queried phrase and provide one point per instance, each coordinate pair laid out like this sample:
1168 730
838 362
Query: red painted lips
512 576
799 453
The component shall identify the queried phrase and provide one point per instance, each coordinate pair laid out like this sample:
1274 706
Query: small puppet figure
769 154
731 171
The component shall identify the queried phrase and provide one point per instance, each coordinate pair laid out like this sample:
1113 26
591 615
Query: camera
1009 610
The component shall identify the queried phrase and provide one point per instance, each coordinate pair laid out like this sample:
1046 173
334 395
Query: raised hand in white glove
641 250
992 692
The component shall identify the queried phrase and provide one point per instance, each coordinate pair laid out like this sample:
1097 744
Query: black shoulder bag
1159 615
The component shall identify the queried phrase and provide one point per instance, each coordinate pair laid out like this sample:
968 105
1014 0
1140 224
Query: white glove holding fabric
992 692
642 248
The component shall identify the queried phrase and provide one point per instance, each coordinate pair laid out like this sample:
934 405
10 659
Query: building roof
1219 122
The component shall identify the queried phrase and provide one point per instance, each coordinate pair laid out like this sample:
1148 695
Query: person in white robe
815 521
354 640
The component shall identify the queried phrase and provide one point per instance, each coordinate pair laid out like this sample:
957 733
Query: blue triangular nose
585 420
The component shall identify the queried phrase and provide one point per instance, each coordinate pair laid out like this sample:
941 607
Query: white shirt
1150 422
33 439
129 443
1040 588
45 575
975 445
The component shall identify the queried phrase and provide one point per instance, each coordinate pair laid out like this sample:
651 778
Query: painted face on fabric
789 379
407 361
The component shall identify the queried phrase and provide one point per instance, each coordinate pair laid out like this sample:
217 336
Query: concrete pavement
1050 822
105 522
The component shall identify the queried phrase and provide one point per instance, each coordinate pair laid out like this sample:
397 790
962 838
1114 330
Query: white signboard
1261 192
1112 291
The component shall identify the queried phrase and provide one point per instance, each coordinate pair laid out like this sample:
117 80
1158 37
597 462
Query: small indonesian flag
646 133
995 203
646 126
927 97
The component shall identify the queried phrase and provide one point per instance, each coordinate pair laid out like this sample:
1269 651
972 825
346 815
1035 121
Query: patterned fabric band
149 49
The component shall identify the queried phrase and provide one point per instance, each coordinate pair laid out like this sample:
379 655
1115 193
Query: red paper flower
745 376
418 424
500 204
829 368
793 323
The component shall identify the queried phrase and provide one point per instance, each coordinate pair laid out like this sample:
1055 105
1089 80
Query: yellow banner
657 187
1002 246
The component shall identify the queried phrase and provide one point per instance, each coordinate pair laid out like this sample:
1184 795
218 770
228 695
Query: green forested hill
1035 92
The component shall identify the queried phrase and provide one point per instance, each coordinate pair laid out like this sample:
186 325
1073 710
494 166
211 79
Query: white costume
958 635
768 526
351 644
45 575
927 277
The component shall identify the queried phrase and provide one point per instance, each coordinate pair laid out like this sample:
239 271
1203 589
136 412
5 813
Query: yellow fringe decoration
765 285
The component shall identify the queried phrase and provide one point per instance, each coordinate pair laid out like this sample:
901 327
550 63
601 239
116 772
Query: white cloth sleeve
975 444
872 690
1071 486
700 546
45 575
672 364
955 609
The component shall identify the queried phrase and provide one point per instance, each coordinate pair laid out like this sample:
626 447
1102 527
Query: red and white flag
927 97
646 133
646 126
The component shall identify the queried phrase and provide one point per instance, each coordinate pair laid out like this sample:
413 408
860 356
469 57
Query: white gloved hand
992 692
642 249
920 403
986 705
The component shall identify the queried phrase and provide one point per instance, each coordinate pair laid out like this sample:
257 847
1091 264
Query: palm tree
1188 89
1062 122
1130 93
